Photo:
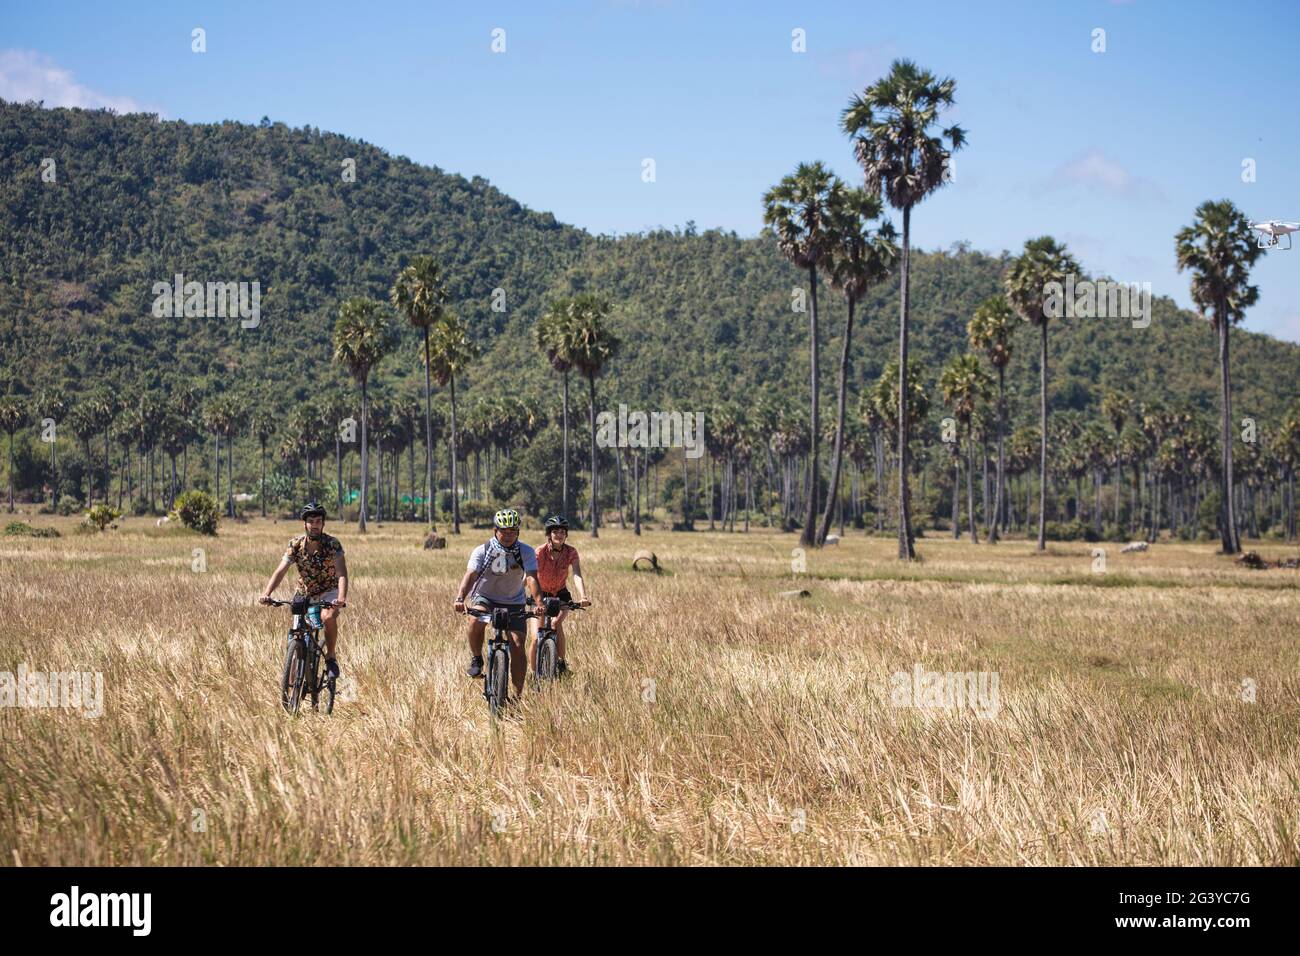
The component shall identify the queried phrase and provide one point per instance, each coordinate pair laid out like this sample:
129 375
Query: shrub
18 529
101 516
69 505
197 511
479 514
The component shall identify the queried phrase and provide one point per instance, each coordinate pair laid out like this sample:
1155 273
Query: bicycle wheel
546 657
291 679
312 682
498 682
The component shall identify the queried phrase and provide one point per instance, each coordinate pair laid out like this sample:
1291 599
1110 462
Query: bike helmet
311 510
506 518
556 521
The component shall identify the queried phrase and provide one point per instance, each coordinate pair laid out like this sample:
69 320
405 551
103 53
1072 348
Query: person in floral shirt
322 575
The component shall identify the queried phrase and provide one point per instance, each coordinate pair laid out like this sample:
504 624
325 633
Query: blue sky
1110 152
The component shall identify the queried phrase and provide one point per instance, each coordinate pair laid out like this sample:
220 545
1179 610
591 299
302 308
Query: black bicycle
547 651
496 675
304 658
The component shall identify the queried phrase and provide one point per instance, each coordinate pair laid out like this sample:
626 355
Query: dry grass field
709 720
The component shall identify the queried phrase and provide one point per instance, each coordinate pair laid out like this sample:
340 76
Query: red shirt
553 566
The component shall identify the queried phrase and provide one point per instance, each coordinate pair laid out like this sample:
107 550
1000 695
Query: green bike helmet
506 518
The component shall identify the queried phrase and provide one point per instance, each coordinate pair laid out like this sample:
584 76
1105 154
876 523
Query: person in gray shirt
501 571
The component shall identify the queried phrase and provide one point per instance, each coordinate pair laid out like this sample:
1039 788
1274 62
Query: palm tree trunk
11 472
230 475
1231 543
906 550
970 484
455 497
836 464
365 472
808 537
994 531
595 477
1042 454
565 430
956 496
428 437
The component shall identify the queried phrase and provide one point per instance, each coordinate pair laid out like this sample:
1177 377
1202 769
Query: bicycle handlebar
274 603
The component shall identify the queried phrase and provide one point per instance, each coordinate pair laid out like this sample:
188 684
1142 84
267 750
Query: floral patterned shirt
316 572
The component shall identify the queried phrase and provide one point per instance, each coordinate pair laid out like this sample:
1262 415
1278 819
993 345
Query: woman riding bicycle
554 559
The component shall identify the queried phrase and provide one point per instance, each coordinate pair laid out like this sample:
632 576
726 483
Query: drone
1272 231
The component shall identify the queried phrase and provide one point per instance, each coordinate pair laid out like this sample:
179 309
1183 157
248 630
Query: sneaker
561 668
331 669
475 668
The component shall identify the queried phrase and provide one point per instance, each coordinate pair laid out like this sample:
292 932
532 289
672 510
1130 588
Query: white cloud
1094 170
29 75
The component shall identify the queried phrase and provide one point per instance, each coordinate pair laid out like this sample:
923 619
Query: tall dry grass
708 720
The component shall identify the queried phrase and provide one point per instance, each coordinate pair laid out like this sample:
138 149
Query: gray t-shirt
502 571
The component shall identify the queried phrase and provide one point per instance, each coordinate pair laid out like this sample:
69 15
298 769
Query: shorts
563 594
325 597
517 620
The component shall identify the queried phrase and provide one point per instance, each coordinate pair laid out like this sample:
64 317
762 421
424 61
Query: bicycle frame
303 628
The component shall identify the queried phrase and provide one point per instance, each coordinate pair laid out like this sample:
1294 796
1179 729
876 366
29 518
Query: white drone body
1271 232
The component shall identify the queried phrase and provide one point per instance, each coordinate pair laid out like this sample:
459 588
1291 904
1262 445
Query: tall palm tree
591 345
552 339
451 352
859 258
420 295
891 127
797 209
362 337
1218 250
13 416
990 330
1043 262
964 384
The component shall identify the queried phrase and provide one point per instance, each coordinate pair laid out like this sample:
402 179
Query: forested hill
135 200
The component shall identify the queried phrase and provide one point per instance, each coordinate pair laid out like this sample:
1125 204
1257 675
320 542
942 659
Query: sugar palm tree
362 337
891 124
964 385
1043 262
552 339
797 209
13 416
451 351
990 330
1218 250
859 257
420 295
591 345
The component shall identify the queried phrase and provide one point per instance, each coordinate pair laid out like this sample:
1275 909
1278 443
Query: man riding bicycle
554 559
500 571
322 575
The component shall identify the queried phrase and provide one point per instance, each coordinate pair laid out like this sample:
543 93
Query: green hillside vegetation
704 322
